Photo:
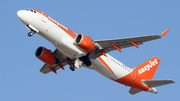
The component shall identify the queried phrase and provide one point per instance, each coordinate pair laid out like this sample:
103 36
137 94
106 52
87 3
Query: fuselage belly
65 42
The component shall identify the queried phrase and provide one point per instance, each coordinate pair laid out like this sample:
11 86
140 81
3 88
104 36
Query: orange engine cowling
84 43
45 55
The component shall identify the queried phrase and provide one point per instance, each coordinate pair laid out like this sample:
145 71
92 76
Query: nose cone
22 15
19 13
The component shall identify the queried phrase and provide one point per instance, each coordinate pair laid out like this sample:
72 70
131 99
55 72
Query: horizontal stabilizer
155 83
134 90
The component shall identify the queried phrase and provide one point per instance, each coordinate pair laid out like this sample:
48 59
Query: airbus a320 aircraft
78 50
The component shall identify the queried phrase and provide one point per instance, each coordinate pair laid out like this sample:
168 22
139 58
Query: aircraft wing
45 69
118 44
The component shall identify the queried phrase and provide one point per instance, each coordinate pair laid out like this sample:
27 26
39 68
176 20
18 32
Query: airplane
78 50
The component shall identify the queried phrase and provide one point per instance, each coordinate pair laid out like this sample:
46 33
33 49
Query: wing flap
124 42
106 46
45 69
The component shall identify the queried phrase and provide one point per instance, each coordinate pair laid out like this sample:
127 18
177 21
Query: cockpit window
31 10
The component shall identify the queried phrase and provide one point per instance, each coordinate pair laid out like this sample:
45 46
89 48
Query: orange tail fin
148 68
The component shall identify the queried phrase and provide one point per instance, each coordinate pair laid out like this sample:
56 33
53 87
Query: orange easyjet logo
148 66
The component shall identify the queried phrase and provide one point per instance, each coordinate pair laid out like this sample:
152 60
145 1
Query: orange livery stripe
104 63
133 82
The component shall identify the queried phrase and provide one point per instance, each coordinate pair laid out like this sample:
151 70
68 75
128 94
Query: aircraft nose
22 15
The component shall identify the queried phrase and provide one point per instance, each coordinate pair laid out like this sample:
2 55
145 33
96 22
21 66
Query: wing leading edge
113 44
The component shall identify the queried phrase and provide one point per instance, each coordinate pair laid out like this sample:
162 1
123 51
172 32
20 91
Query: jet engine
45 55
84 43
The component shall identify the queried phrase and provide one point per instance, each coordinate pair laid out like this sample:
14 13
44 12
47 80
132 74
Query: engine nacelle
84 43
45 55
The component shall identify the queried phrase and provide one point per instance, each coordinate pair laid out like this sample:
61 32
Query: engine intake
84 43
45 55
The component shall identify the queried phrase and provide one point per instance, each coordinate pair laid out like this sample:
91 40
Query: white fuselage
65 40
60 37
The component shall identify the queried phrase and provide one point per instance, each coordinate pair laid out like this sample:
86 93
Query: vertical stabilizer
148 68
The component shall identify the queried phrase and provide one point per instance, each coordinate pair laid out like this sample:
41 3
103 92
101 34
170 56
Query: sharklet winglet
165 32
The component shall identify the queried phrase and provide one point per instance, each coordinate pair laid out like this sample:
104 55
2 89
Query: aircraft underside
78 50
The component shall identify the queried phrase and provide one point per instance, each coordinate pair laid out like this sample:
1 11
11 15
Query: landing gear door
31 28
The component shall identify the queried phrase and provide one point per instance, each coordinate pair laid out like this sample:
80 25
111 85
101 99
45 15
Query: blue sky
20 79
